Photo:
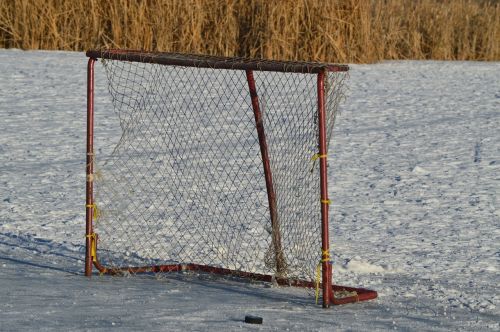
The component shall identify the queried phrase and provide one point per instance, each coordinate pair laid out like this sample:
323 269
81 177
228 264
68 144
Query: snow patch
362 267
420 171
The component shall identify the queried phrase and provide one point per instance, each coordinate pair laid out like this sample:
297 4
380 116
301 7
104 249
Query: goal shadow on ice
38 253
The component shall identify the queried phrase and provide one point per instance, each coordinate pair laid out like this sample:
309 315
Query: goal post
219 166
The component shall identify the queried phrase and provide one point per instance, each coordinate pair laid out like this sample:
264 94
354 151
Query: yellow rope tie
317 156
96 212
325 257
326 201
93 246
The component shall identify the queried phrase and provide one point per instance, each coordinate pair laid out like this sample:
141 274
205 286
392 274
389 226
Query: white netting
185 183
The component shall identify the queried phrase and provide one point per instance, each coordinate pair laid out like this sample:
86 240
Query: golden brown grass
322 30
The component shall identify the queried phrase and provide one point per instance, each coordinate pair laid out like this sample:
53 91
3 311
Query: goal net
217 167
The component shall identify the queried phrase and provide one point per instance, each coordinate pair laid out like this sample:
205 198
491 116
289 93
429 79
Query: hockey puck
253 319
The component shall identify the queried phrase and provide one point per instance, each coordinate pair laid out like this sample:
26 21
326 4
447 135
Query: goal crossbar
216 62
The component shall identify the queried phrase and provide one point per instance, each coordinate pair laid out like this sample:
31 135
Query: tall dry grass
322 30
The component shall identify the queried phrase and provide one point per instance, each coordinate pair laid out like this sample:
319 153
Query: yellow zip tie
317 156
326 201
325 257
93 246
97 213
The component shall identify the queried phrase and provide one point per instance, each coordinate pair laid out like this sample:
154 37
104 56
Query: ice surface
414 179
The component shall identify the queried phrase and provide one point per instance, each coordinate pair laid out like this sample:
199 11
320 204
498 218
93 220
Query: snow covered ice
414 179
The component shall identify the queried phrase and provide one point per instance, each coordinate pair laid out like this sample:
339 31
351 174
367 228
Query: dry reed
321 30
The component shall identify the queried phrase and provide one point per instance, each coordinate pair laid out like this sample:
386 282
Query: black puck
253 319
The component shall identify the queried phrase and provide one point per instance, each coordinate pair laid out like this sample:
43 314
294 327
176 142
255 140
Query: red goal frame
249 66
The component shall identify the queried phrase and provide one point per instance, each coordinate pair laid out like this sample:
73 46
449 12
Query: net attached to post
185 185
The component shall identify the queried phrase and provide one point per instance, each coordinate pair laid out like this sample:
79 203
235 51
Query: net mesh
185 184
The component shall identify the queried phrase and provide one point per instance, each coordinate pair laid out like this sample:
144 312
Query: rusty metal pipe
89 201
271 195
325 240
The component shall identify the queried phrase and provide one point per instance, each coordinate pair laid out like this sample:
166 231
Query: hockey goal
219 166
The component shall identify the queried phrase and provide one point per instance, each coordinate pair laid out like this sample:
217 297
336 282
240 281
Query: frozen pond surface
414 179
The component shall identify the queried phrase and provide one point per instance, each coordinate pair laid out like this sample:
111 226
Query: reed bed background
319 30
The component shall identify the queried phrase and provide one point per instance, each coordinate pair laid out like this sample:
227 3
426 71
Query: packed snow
414 179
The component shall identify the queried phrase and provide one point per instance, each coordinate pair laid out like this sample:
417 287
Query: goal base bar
340 294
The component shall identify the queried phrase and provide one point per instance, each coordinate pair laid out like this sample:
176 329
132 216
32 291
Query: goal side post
90 240
322 155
